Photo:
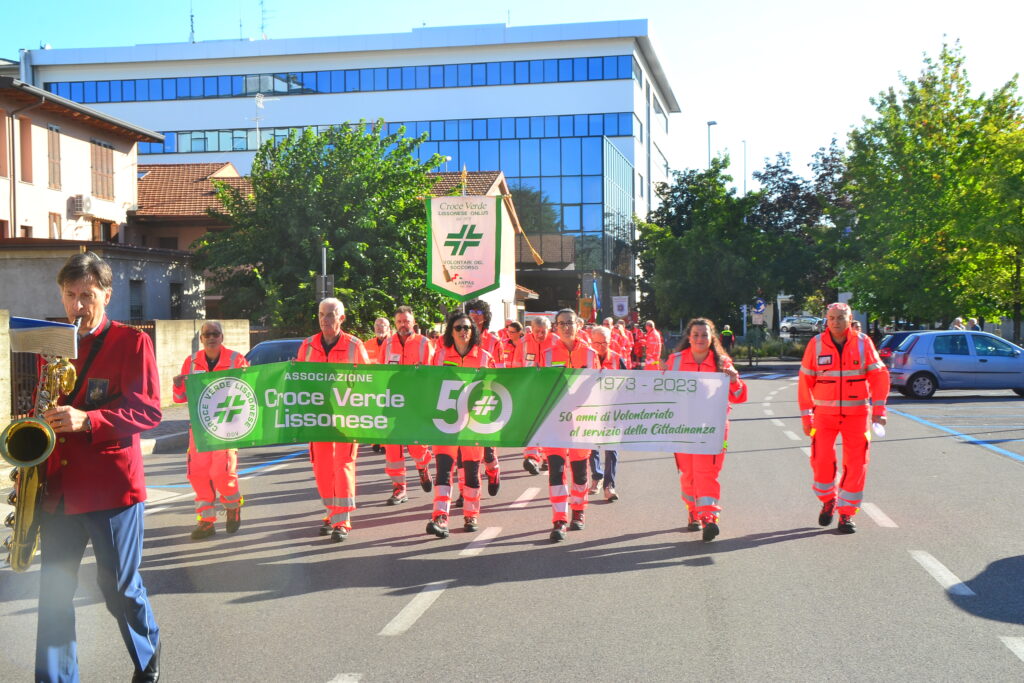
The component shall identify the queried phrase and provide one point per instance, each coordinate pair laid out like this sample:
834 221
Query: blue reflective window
209 86
393 128
170 142
522 70
182 88
436 77
308 81
224 86
593 188
103 91
532 184
142 89
323 81
571 156
564 70
450 149
611 124
365 80
489 156
508 76
479 74
279 83
509 150
170 89
522 127
625 124
90 92
611 68
64 90
571 218
592 152
465 75
579 69
493 129
115 91
596 126
437 130
451 129
451 75
465 129
380 79
551 189
50 87
195 86
529 157
550 156
536 126
571 189
480 128
550 70
536 71
426 150
565 126
408 78
469 155
128 91
394 78
422 79
237 85
592 218
351 80
551 126
625 66
337 83
493 73
579 125
508 128
419 128
595 68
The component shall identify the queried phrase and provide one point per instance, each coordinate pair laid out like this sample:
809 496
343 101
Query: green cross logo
230 408
463 239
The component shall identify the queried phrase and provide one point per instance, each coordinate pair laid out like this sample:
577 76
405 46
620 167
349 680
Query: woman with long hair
460 348
700 350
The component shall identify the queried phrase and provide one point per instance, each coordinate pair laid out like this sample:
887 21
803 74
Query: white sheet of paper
44 336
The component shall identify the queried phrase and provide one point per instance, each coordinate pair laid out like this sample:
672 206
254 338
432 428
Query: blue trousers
611 462
116 537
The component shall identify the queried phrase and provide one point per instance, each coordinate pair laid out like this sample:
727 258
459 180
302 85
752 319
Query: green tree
351 189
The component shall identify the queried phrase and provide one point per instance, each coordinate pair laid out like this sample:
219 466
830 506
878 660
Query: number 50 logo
493 403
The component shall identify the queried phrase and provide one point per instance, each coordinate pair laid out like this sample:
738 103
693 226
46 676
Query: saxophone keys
9 522
12 498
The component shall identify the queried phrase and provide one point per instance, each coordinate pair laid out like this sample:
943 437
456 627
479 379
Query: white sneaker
610 495
595 486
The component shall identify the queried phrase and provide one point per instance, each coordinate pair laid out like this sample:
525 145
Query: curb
165 443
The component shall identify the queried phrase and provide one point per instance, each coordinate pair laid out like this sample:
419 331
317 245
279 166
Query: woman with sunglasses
213 472
701 351
461 348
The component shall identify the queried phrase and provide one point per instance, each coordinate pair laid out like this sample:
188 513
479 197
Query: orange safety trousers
856 441
394 461
334 468
212 473
698 481
564 497
445 458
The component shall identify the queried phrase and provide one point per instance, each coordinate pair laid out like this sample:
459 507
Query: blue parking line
248 470
965 437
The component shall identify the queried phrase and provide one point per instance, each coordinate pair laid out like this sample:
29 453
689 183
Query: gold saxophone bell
27 442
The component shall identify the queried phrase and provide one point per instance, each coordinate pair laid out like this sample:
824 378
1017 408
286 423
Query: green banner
294 402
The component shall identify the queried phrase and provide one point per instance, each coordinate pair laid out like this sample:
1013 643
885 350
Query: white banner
683 412
620 306
464 250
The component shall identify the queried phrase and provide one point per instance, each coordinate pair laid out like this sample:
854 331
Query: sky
782 76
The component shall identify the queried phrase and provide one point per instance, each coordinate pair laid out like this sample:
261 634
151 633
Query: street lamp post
710 123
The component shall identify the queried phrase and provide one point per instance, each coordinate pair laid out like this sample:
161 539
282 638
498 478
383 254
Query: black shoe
151 674
234 520
577 521
377 448
846 525
458 502
530 465
398 496
438 526
558 533
203 530
339 534
493 482
828 509
471 524
325 528
543 465
425 482
694 524
710 531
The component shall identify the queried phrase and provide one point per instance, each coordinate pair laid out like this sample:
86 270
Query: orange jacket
490 343
652 348
529 350
197 363
612 361
347 350
475 358
845 383
683 360
557 356
417 350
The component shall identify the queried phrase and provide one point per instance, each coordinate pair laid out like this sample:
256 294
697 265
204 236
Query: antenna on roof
263 19
191 23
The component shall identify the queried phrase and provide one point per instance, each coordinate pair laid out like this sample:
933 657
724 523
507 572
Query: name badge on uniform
531 356
825 360
394 359
96 391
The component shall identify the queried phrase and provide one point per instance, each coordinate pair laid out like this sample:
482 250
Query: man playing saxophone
95 487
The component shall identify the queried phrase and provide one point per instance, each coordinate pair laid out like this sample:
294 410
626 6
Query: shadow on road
998 592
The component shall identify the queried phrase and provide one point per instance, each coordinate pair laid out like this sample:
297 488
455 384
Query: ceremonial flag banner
515 407
464 250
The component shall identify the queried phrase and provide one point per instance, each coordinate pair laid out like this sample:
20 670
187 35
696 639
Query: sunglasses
476 311
462 328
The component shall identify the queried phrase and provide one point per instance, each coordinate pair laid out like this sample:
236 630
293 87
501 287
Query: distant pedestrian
972 325
957 324
728 338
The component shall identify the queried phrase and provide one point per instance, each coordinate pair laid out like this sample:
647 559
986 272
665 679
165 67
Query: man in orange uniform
842 380
381 332
625 340
513 340
527 354
334 464
406 347
567 351
652 347
212 472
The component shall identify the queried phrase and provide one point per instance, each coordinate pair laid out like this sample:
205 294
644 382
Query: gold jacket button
64 463
62 439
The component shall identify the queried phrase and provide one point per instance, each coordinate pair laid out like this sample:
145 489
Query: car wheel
1019 392
921 385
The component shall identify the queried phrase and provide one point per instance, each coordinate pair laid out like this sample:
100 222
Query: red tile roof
182 190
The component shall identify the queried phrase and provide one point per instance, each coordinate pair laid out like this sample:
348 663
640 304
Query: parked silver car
952 359
801 324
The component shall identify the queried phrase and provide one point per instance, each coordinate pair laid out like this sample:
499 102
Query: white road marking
766 404
775 376
524 499
404 620
879 517
791 435
346 678
769 412
778 423
946 578
481 541
1016 645
806 450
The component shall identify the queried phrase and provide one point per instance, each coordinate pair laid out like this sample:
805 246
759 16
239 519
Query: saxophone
26 444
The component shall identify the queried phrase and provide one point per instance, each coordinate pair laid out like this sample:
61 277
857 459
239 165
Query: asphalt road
929 588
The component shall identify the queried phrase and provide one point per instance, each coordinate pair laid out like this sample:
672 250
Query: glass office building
575 115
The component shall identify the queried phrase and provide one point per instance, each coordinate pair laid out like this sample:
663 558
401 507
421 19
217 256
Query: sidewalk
171 435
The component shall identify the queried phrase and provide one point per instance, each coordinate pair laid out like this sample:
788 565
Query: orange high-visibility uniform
527 352
611 361
639 343
698 472
625 349
211 472
416 350
652 349
838 391
490 343
446 456
334 464
562 498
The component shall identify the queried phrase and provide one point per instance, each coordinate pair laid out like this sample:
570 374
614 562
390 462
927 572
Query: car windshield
273 351
906 343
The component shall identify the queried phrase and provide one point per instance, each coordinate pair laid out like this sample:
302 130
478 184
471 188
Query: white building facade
575 115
